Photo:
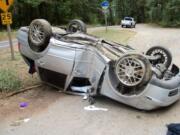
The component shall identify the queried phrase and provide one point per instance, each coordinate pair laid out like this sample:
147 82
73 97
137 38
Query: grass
3 35
9 81
116 35
14 74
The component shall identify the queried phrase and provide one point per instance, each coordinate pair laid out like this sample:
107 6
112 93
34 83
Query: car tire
133 70
131 26
122 26
76 25
166 56
39 35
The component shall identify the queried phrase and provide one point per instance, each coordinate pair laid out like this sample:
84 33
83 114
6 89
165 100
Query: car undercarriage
80 63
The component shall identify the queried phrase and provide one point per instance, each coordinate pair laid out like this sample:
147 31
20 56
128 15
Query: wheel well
78 81
122 89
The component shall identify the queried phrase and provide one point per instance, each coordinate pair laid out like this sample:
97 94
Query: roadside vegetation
9 81
14 74
163 12
116 35
4 36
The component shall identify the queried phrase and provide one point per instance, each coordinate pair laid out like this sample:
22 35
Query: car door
59 58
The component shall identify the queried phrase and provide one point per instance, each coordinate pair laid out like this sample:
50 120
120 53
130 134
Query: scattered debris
23 104
19 122
138 117
26 120
91 100
85 97
93 108
81 89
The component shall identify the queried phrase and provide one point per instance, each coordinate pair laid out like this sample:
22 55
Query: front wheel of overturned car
133 70
39 34
164 53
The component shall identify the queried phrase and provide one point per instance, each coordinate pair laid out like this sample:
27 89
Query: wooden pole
106 21
10 42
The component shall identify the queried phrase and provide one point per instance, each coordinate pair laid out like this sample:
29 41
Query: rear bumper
157 97
153 96
160 93
126 24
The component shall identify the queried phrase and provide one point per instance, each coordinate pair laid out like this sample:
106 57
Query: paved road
65 114
4 44
148 36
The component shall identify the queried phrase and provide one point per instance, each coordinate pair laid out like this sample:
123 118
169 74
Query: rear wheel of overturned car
133 70
39 34
76 26
164 53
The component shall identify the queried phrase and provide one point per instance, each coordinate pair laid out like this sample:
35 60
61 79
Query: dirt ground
53 113
17 66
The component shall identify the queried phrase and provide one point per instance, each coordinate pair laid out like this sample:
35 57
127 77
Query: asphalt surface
5 44
65 115
148 36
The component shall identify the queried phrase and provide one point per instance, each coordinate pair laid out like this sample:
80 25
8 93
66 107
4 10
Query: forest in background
59 12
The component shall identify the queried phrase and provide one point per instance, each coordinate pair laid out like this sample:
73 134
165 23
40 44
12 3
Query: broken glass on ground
19 122
94 108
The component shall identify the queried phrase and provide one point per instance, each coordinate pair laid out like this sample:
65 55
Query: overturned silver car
71 59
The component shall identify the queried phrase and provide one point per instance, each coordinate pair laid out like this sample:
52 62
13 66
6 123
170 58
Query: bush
9 81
